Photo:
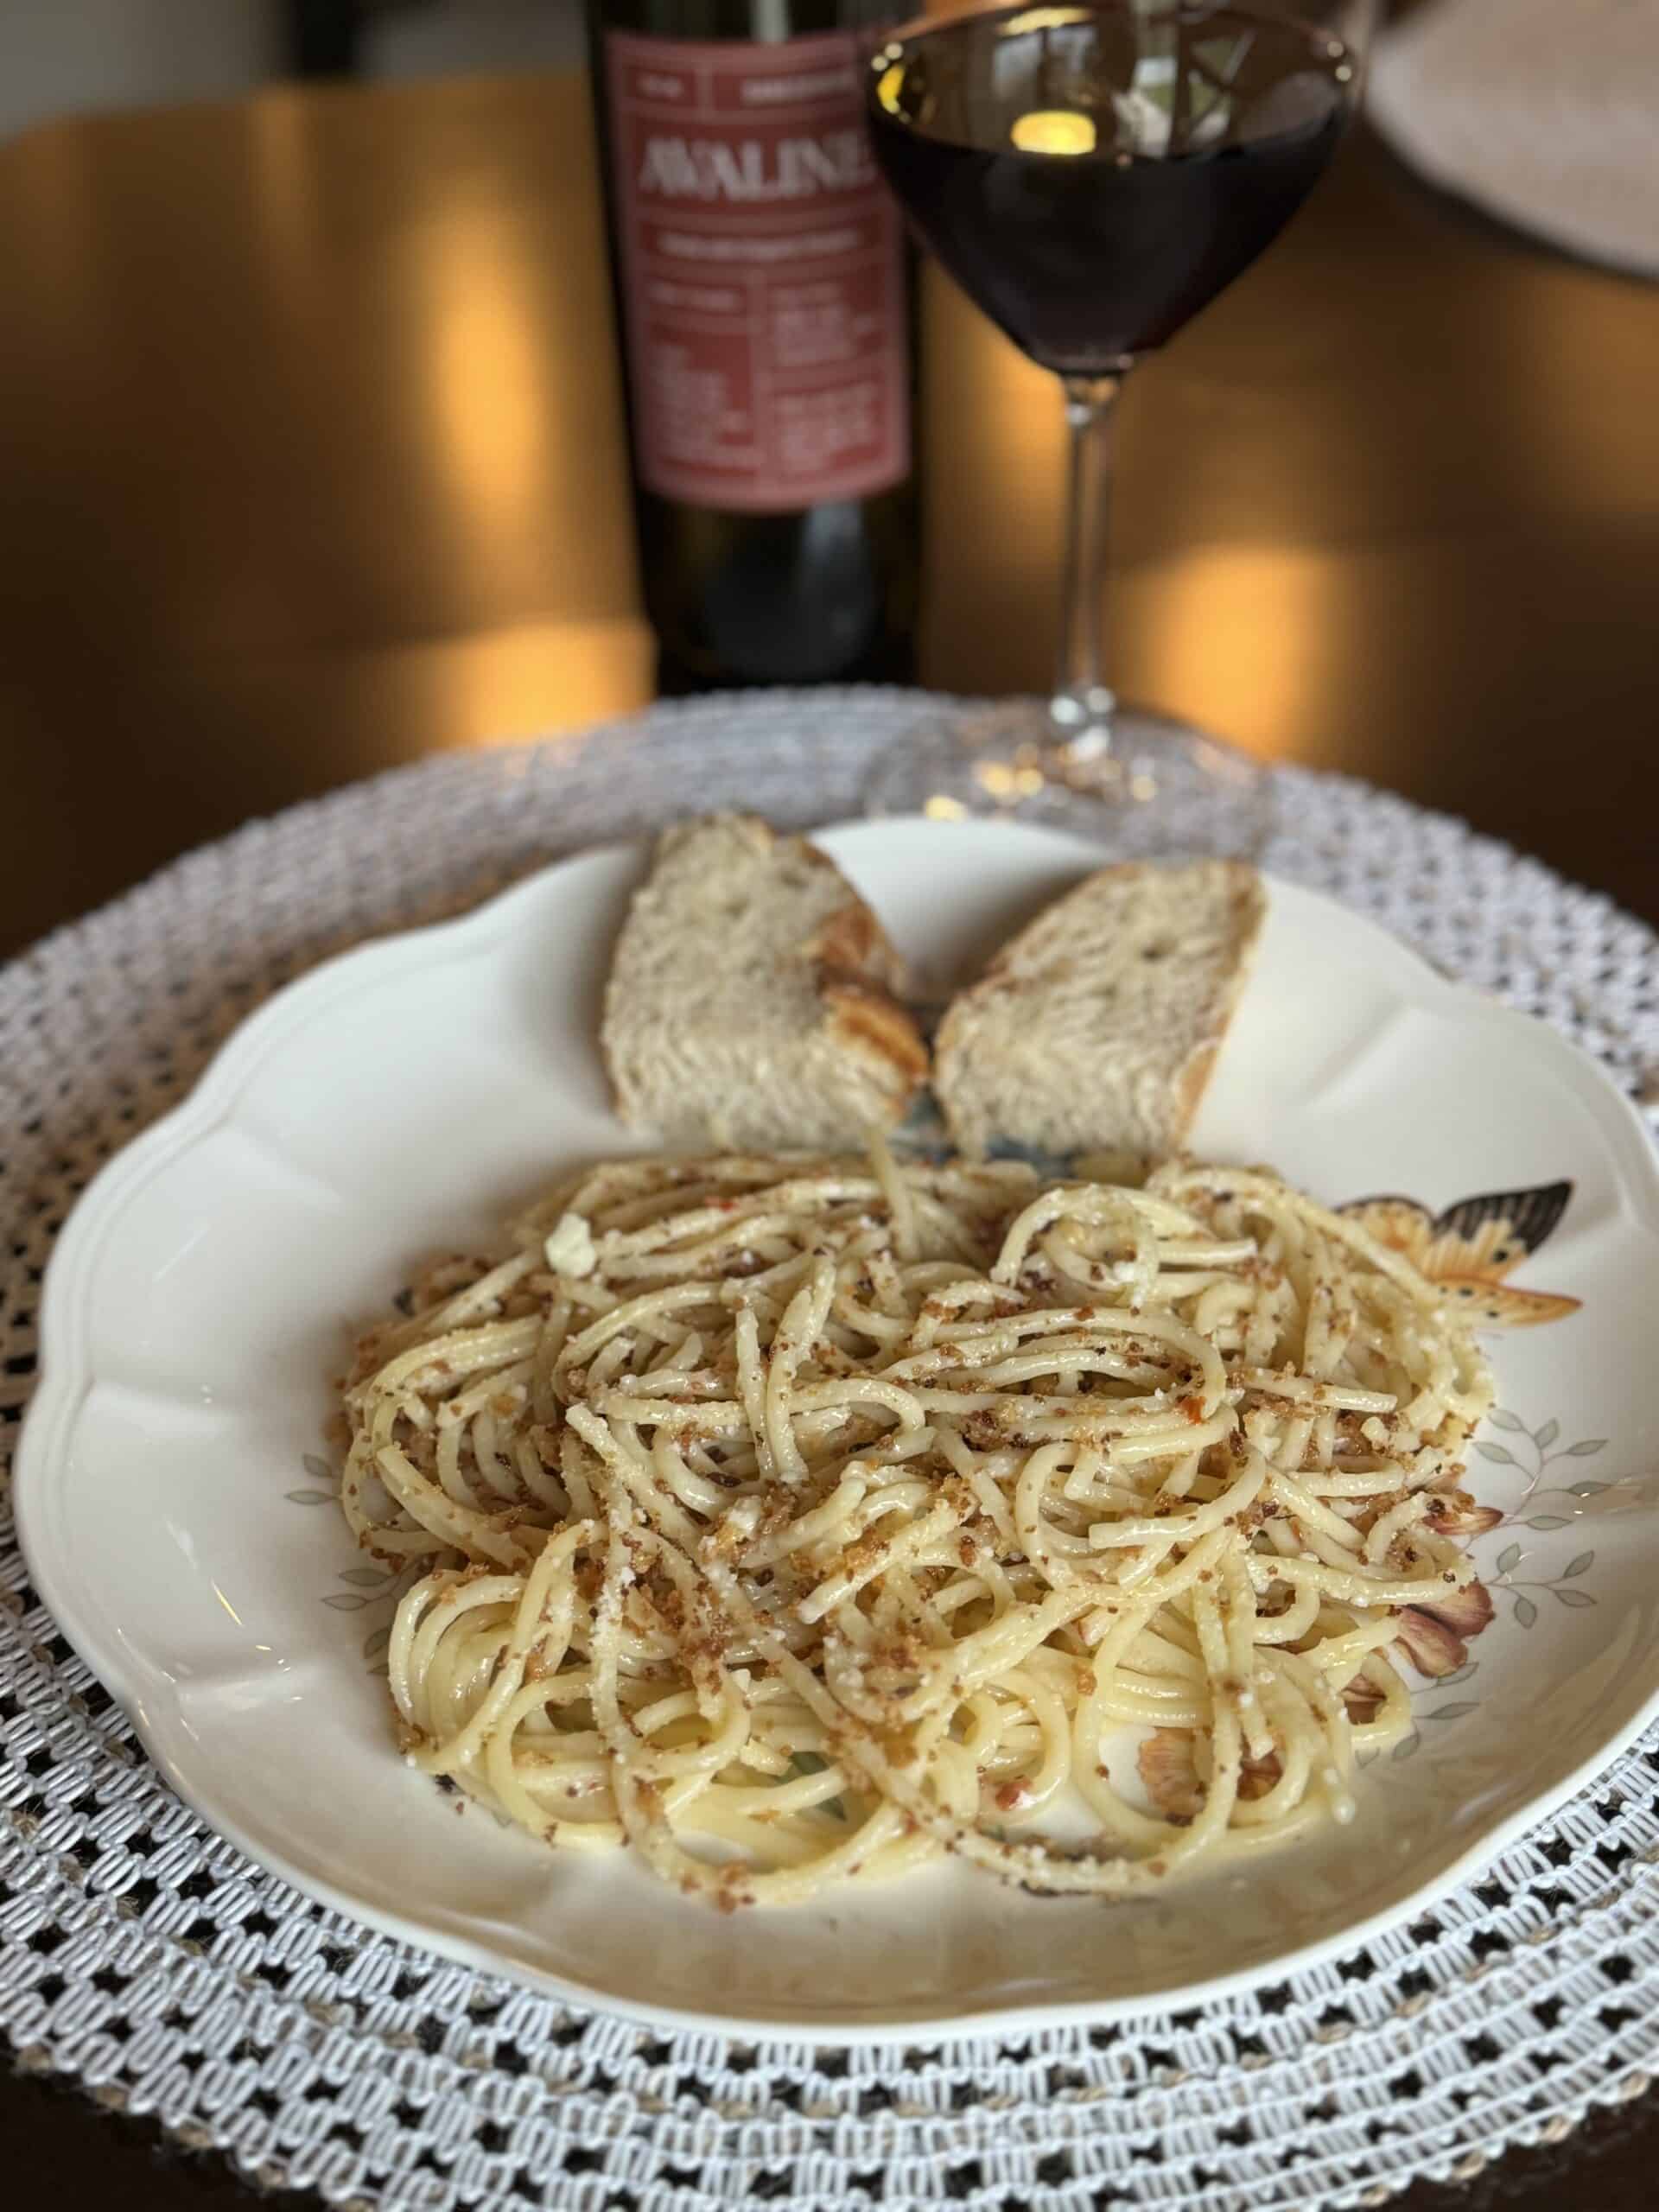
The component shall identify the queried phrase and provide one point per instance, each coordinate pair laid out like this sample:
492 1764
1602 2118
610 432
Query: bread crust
850 1054
1073 1106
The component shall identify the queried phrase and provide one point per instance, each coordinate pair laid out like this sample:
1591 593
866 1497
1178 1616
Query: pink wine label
762 279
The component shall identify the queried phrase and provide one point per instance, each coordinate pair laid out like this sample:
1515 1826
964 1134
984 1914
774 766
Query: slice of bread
1095 1028
753 1000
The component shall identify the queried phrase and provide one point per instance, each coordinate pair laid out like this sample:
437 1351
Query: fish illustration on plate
1472 1248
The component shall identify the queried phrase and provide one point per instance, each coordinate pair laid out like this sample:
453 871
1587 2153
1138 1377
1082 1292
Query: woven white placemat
142 1956
1543 112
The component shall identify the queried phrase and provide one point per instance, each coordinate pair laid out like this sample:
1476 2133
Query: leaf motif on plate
344 1602
1525 1612
1455 1711
1488 1450
1575 1597
309 1496
1578 1566
1509 1559
1500 1417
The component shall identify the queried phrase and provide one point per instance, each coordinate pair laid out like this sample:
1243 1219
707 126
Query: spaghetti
795 1520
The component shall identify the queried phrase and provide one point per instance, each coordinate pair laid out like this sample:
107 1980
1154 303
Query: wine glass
1092 176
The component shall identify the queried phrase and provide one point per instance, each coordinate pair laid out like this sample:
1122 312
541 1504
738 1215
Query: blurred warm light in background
281 196
500 571
1581 376
491 385
992 444
1239 639
497 402
543 677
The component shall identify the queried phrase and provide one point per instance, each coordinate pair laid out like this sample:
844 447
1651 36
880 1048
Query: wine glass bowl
1092 176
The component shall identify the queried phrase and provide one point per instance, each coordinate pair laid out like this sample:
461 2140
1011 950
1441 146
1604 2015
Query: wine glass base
1163 791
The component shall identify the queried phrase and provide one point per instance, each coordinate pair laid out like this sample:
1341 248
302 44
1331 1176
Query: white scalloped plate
410 1093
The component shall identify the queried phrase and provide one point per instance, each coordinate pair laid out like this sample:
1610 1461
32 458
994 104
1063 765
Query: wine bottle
763 309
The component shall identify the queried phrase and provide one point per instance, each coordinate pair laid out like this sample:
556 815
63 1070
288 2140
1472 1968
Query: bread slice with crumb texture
754 1000
1096 1029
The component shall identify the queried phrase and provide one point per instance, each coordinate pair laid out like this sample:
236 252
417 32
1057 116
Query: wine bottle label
762 277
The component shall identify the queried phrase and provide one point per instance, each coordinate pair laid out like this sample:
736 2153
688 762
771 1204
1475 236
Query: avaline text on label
762 276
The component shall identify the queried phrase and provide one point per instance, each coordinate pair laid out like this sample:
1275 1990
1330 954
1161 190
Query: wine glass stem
1083 705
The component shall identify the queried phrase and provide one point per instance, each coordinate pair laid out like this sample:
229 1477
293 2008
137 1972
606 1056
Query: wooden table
310 463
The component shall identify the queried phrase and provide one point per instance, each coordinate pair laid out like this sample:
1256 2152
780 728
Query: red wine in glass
1094 192
1092 176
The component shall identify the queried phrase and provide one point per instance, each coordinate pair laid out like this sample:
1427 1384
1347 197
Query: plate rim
64 1380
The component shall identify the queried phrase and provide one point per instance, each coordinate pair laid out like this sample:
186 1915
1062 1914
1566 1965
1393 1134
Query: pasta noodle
795 1520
